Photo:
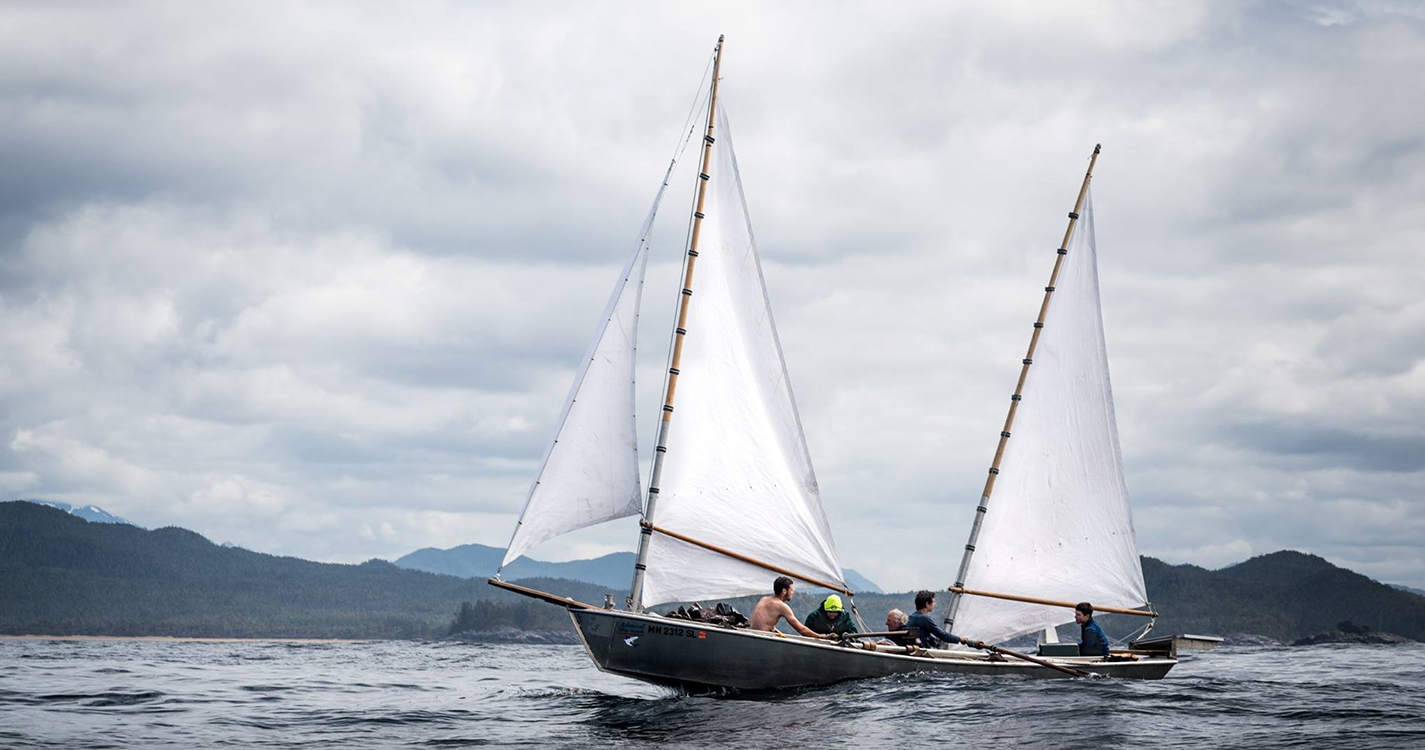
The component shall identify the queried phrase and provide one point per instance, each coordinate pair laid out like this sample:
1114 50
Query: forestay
1058 525
737 473
590 469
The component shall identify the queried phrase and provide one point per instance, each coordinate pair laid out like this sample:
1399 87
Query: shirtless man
773 608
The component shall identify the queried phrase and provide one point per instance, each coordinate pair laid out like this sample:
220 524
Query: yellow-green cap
832 603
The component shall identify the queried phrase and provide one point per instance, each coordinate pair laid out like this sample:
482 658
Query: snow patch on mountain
91 513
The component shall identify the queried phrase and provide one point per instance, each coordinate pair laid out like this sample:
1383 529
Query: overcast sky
313 278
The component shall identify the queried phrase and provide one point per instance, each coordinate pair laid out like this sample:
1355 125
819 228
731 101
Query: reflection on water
91 694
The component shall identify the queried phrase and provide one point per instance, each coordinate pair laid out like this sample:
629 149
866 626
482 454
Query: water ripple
87 694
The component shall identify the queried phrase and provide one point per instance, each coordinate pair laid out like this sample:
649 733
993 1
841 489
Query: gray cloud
1336 448
315 280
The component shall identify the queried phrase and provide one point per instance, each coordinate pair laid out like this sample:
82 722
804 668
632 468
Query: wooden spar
540 595
650 528
874 634
980 645
635 591
1050 602
1018 394
1026 657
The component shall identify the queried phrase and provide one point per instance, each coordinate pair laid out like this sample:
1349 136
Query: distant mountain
91 513
1284 595
860 583
1403 587
60 575
613 570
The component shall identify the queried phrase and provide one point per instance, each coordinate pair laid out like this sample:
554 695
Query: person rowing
1092 640
931 636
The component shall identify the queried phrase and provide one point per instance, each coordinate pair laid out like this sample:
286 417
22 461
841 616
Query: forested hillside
60 574
1284 595
63 575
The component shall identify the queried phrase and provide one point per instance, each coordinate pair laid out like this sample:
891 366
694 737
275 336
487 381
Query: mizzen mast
690 262
1015 399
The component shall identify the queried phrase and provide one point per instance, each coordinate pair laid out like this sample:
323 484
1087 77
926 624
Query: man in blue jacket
931 636
1093 643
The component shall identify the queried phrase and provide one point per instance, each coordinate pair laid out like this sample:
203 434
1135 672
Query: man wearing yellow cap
829 619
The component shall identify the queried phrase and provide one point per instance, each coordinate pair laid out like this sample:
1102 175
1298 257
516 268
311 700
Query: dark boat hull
700 658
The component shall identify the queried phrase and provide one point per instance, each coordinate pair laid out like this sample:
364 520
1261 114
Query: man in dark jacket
931 636
1094 642
829 618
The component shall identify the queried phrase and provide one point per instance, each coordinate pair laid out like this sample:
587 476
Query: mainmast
645 529
1014 400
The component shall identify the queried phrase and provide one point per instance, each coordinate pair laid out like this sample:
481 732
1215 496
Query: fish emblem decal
631 641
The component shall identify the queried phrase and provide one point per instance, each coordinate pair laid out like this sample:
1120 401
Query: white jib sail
590 469
737 473
1058 524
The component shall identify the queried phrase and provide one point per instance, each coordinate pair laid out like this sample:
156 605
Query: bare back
767 612
772 609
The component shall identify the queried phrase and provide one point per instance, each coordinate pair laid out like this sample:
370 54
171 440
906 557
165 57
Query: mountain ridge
91 513
61 575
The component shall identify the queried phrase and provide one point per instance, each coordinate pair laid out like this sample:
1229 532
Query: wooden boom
744 558
1050 602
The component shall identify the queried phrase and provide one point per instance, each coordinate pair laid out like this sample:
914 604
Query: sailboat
733 501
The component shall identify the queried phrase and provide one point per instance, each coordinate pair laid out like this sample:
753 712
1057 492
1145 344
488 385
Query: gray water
97 694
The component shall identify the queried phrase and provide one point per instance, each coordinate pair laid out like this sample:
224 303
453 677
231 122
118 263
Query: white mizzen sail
590 470
737 473
1059 525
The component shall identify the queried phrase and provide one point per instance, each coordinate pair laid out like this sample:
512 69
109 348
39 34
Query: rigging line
687 242
690 123
670 382
607 317
645 244
1140 632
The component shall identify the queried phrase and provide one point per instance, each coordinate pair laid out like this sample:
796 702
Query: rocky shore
1337 636
1348 632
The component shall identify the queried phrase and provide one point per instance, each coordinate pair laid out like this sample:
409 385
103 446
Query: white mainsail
590 469
1058 525
737 473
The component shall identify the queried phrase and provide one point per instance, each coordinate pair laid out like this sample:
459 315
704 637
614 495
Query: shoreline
180 639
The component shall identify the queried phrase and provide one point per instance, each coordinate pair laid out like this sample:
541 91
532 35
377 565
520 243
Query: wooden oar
873 634
979 645
1026 657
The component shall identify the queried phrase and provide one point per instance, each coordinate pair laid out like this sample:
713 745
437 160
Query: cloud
316 280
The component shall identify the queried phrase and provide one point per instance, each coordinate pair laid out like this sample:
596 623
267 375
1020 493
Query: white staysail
590 469
1058 525
737 473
